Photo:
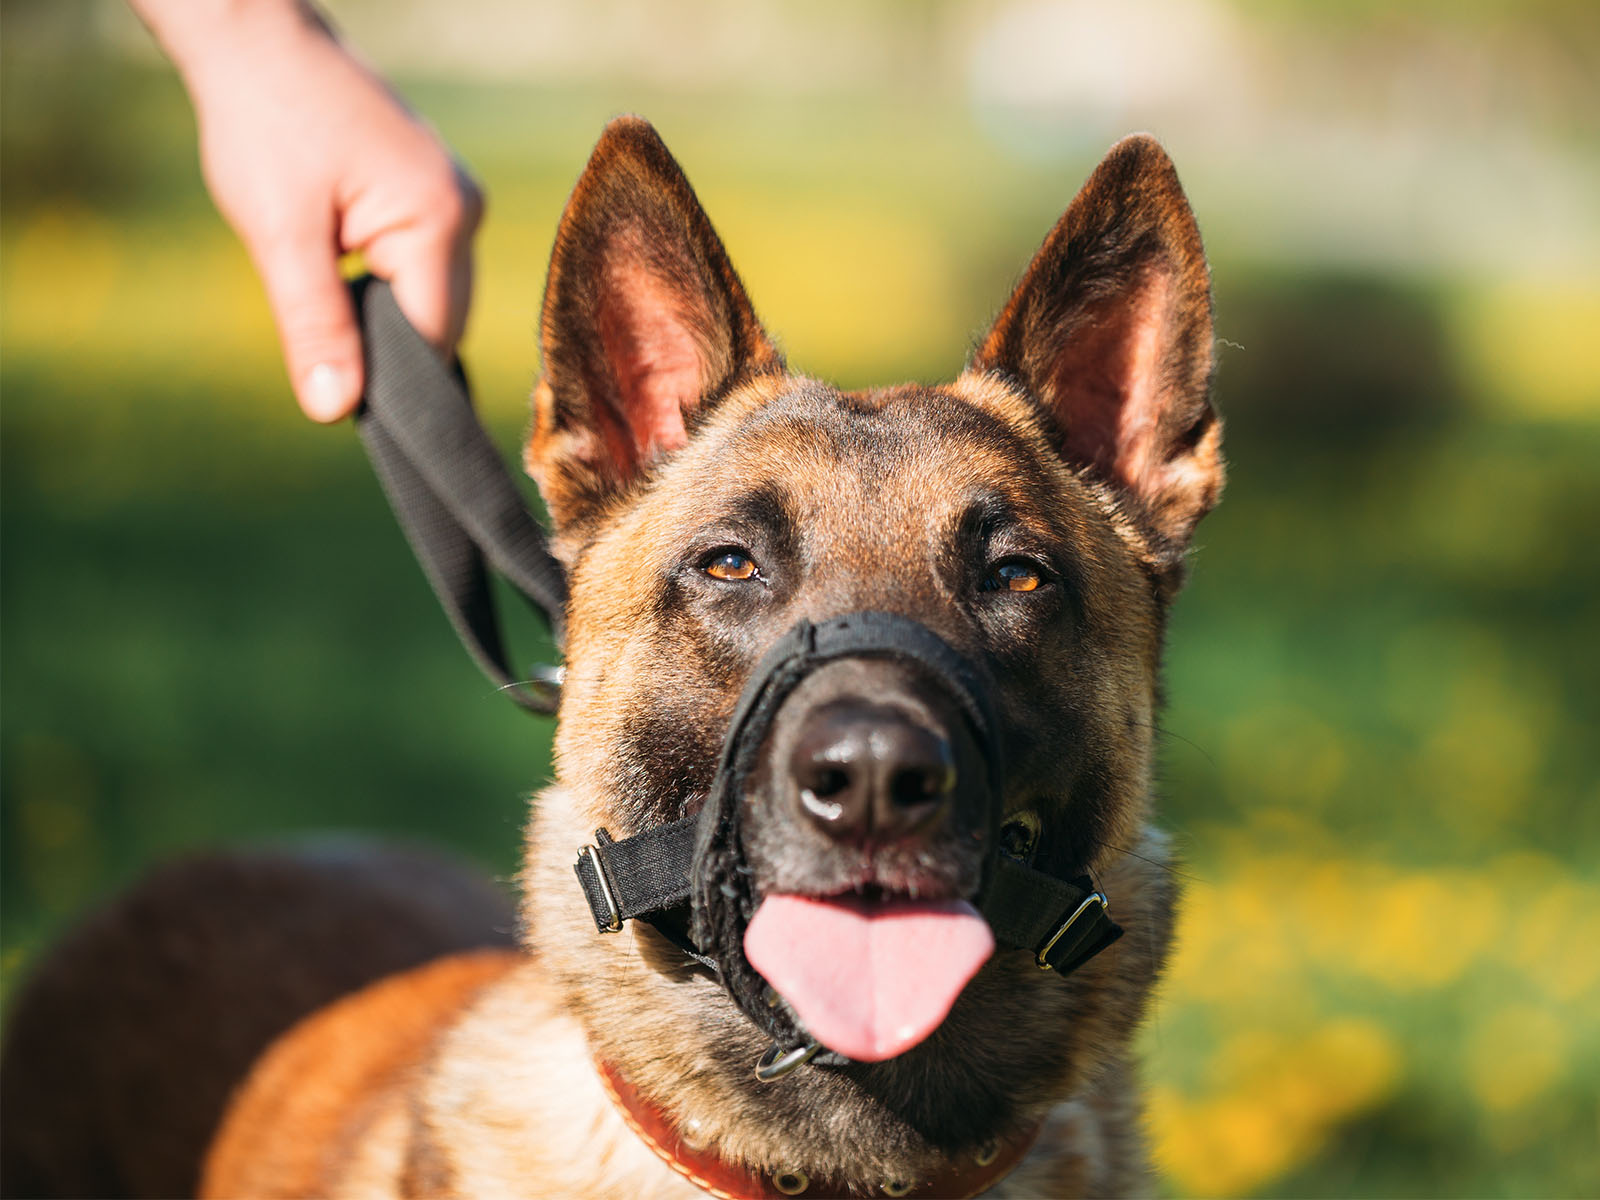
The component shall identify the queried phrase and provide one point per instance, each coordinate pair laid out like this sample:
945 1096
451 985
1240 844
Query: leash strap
451 492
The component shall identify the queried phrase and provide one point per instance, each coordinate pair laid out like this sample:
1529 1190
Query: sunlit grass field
1379 758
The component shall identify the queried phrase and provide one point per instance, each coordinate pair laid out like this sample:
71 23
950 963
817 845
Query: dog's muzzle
691 881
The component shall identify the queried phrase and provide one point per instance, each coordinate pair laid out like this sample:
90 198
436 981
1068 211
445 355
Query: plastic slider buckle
598 865
1042 957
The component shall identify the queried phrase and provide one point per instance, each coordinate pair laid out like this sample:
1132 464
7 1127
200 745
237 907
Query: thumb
311 305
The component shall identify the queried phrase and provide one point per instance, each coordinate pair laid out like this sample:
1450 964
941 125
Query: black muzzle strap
638 876
1064 923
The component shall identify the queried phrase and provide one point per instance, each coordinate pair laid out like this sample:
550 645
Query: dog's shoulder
341 1081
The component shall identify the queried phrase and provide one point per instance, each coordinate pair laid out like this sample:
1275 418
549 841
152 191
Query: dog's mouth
870 973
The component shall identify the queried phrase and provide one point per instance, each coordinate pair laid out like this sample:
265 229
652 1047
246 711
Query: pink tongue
869 978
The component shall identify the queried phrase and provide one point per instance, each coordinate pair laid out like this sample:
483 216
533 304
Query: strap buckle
1042 957
592 854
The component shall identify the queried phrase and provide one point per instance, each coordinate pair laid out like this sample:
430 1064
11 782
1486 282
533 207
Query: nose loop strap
857 635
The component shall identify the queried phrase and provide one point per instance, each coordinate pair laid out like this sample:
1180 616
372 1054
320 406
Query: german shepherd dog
344 1023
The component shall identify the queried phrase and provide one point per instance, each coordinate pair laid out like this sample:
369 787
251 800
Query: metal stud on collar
791 1183
692 1133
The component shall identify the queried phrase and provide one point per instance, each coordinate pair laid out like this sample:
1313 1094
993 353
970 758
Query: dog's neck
689 1154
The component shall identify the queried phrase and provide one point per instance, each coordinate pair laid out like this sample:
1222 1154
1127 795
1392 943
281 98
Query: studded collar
701 1166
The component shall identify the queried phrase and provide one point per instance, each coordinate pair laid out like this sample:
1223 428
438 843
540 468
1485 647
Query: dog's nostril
921 784
827 811
828 782
824 791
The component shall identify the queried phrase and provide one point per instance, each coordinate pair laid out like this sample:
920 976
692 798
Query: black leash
451 492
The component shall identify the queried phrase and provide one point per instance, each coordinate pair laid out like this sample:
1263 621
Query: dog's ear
645 324
1110 329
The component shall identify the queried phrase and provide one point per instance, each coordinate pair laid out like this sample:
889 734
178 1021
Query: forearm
205 38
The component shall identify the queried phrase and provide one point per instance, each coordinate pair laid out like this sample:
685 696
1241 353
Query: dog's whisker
1175 871
1168 735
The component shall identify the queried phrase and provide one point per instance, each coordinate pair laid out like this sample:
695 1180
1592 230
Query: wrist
210 39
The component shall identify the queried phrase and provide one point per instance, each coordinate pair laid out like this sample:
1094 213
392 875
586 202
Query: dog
1032 517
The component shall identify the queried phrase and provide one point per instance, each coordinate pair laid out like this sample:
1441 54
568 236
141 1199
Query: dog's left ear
645 325
1110 329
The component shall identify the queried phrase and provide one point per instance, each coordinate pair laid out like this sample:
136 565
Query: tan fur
325 1111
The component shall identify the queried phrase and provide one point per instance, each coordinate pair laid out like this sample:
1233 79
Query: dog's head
1033 514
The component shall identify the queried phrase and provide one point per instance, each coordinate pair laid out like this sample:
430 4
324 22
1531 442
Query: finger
430 269
311 304
431 285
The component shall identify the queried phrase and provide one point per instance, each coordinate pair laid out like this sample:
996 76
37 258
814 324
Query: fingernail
329 392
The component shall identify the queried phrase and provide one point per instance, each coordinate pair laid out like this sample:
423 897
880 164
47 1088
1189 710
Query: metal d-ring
544 681
776 1062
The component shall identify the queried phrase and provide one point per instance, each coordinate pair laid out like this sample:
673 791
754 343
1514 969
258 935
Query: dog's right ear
645 325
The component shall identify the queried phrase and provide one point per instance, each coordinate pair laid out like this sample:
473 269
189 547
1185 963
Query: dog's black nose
866 772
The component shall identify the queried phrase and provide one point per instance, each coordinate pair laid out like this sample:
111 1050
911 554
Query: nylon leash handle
450 490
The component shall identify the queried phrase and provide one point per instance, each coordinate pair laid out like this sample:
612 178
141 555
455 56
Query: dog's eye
732 565
1014 575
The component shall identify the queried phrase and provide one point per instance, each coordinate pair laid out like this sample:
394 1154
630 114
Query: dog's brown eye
731 565
1014 576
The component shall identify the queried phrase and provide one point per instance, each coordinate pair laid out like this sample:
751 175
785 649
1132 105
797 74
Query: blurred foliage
1379 756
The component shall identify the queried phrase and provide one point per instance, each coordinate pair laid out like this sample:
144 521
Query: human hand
308 155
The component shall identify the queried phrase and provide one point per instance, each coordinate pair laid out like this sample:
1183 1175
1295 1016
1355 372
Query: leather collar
729 1181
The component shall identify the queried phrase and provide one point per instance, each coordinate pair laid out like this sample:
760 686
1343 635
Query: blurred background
1380 756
